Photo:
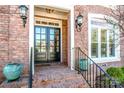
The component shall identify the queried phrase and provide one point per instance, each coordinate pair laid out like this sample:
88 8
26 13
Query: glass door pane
47 44
51 35
53 44
40 44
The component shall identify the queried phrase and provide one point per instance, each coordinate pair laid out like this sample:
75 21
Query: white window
103 38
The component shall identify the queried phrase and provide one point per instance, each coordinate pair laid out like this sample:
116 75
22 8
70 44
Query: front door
47 44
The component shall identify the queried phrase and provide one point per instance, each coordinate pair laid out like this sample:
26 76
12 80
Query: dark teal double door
46 44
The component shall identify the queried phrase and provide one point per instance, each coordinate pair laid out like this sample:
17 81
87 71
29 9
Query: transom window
103 40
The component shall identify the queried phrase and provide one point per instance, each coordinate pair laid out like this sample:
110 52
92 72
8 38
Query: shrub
116 73
122 68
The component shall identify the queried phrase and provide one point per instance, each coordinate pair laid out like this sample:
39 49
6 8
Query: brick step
72 82
55 76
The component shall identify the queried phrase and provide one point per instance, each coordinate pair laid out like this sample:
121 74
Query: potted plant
12 71
83 64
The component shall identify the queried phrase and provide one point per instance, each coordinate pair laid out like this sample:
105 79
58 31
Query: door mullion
48 42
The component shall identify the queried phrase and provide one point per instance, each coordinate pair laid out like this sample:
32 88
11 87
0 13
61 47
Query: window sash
100 43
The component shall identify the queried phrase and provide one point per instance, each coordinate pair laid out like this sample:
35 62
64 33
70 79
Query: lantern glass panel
79 20
23 10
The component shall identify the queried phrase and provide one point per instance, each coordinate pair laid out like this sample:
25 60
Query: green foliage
122 68
116 73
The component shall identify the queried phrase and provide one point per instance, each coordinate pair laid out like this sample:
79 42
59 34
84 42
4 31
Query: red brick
14 38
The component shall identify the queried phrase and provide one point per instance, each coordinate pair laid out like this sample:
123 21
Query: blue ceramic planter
83 64
12 71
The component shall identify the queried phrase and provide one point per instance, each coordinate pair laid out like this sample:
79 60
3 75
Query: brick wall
81 38
4 21
18 38
14 38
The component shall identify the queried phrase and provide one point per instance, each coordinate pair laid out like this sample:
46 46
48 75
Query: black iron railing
94 75
30 70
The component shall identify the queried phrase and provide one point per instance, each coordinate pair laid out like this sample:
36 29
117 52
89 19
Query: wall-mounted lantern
79 22
23 13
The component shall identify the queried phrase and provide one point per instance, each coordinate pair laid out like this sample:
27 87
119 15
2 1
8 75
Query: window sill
105 60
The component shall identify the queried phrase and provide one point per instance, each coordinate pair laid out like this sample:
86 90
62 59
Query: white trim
31 36
105 60
61 60
99 59
72 37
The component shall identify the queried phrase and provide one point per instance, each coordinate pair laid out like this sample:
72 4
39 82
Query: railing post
100 80
30 70
109 83
93 75
115 85
87 69
78 60
90 72
104 81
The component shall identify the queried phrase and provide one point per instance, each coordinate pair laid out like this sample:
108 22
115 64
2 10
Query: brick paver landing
57 76
53 76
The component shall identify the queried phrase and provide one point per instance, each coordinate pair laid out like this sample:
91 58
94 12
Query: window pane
103 43
51 49
38 43
43 37
51 31
94 50
37 30
57 37
111 36
98 23
94 43
103 35
111 50
43 49
57 43
43 30
51 37
94 35
52 55
103 50
43 43
111 44
57 49
52 43
37 36
57 32
37 49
